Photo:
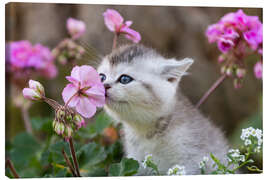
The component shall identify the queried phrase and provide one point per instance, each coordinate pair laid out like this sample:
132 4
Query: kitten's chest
138 147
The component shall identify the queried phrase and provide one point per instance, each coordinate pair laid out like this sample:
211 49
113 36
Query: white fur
188 137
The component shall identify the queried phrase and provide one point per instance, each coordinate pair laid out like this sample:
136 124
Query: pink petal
73 80
75 73
75 27
113 19
85 107
31 94
68 92
128 23
88 76
131 34
96 95
258 70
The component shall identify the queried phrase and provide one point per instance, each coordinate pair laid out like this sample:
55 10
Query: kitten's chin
112 102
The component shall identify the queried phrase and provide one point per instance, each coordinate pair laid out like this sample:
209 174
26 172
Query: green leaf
102 121
55 152
91 154
42 124
126 167
24 147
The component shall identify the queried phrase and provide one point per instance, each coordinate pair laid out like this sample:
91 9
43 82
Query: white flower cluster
202 164
148 158
252 136
234 155
176 170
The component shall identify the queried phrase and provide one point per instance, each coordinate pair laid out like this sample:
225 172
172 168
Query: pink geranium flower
115 23
22 58
258 70
85 91
75 27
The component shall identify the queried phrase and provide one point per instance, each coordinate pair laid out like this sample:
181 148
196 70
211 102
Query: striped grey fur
127 53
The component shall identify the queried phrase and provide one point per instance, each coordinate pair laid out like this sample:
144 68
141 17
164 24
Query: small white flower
258 133
242 158
176 170
260 141
147 158
201 164
205 158
247 142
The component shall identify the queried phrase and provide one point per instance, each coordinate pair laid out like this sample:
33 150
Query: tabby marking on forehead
127 54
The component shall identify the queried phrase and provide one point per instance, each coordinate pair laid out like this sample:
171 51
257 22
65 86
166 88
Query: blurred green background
172 31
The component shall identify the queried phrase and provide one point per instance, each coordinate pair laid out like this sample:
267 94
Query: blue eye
125 79
102 77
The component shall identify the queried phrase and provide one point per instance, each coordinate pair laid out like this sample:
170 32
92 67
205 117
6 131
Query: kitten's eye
102 77
125 79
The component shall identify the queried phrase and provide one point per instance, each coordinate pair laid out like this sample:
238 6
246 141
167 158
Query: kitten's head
140 82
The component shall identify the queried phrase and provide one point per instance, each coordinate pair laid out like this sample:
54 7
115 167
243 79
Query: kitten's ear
173 70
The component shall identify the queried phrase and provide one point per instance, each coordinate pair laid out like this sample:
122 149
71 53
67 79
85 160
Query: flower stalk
211 90
69 163
9 165
74 158
115 41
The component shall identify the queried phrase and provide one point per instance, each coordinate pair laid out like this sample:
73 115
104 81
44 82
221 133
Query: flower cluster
85 91
148 159
252 137
24 59
176 170
66 121
202 164
68 51
115 23
237 35
235 156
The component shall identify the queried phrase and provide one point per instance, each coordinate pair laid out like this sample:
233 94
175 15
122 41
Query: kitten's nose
107 86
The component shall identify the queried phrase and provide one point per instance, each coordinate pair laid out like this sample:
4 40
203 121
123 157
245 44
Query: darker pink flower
234 26
85 91
75 27
115 23
258 70
224 45
22 57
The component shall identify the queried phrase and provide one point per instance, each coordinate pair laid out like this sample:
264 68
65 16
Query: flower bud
79 121
229 71
54 123
69 117
35 85
223 69
221 58
60 114
237 83
31 94
68 132
59 127
240 72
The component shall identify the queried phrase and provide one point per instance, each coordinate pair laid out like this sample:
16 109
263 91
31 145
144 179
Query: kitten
142 93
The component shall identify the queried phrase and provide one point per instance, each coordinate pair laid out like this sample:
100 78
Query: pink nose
107 86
